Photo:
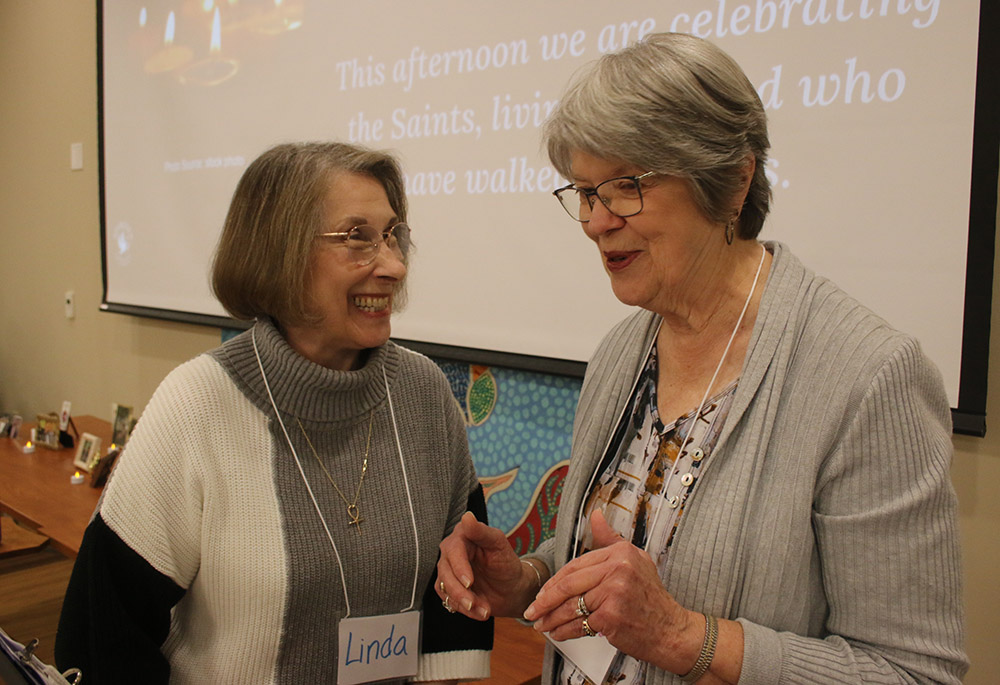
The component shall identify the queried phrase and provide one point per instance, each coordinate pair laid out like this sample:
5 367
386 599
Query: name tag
592 655
378 647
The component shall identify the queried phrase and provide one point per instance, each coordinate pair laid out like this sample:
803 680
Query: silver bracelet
538 574
707 651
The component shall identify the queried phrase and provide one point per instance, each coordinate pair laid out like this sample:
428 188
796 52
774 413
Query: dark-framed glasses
622 196
363 241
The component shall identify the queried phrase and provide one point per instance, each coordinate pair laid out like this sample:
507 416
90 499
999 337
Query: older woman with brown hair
278 509
759 488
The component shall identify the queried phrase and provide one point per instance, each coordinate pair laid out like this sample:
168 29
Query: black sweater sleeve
116 613
446 632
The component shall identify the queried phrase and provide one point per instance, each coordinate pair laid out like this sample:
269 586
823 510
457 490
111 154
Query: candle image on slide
214 69
283 16
171 56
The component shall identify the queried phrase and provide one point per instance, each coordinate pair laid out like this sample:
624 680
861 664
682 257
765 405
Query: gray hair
261 264
677 105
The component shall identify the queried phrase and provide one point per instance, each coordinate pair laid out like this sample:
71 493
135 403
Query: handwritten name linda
376 649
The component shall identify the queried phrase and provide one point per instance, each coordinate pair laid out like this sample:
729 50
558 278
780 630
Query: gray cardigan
825 520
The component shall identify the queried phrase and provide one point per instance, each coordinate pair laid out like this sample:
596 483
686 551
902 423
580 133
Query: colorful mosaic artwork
520 426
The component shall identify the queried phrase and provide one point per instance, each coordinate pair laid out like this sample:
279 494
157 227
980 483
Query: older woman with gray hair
759 487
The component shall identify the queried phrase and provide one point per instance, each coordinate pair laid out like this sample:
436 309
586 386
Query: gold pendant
355 516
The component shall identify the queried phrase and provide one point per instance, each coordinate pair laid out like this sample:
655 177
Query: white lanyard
704 399
402 463
687 437
594 655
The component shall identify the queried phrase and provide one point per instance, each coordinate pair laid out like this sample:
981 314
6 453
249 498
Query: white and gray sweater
825 521
208 562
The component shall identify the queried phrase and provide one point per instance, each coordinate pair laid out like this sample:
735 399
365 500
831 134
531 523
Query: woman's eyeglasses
621 196
363 242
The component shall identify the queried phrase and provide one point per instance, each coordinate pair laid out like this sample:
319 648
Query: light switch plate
76 156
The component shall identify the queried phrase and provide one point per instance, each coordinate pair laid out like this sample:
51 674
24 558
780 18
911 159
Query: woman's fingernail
485 613
529 613
467 603
466 582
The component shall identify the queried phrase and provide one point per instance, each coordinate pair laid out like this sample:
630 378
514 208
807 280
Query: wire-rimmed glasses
363 241
622 196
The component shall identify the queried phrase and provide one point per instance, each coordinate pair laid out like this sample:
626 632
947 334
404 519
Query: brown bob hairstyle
261 264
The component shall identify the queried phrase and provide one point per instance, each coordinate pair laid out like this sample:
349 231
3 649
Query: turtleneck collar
300 387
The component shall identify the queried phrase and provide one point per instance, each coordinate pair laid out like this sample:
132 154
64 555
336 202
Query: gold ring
587 629
581 607
441 585
447 605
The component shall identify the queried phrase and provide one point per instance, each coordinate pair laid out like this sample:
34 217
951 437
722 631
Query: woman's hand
480 575
626 602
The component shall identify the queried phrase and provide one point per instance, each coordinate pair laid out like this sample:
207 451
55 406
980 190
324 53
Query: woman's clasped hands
622 599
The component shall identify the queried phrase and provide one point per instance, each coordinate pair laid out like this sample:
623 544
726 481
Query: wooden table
35 489
517 654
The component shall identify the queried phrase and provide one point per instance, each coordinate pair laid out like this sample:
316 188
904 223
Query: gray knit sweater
208 561
825 520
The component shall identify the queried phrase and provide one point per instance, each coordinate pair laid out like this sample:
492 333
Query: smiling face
355 302
650 257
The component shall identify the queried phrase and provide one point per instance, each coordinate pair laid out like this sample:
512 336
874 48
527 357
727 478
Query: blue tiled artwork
520 426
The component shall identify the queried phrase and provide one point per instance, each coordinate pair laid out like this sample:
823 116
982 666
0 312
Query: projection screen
884 180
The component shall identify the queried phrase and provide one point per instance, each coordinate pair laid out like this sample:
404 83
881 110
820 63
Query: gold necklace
352 507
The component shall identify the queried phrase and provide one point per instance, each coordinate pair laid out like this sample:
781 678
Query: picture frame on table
121 423
47 430
15 426
87 452
101 468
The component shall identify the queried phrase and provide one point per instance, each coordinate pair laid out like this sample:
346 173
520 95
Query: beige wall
49 227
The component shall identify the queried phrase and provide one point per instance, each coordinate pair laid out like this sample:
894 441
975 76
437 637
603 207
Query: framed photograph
88 452
121 422
47 430
101 469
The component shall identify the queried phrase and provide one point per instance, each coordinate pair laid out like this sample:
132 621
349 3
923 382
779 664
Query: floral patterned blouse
646 477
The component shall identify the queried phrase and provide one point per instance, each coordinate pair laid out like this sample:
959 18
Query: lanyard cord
409 499
312 497
704 399
336 552
687 438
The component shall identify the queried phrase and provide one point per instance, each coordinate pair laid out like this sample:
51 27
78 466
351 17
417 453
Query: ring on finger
447 605
441 585
587 630
581 607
